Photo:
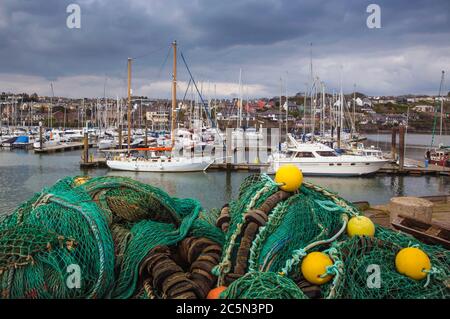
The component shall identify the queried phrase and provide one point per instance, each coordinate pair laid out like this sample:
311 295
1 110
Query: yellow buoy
81 180
412 262
314 265
290 176
360 226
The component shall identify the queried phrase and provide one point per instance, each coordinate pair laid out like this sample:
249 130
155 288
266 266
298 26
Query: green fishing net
363 256
104 225
263 285
314 219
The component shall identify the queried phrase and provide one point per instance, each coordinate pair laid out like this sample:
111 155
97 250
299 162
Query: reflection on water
379 189
23 173
212 189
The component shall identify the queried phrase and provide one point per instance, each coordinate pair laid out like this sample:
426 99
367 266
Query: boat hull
192 165
36 145
332 168
104 145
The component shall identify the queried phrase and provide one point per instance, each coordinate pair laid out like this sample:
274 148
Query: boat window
367 163
326 153
304 154
352 164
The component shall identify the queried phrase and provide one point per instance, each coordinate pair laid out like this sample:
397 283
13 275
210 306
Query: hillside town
370 113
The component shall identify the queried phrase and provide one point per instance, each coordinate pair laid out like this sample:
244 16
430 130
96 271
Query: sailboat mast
323 109
279 111
354 107
304 109
174 91
442 104
240 100
129 104
287 110
314 111
50 110
215 102
311 79
341 107
117 111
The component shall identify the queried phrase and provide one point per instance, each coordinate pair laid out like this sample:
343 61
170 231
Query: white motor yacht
319 159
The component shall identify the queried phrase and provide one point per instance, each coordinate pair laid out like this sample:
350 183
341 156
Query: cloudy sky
267 39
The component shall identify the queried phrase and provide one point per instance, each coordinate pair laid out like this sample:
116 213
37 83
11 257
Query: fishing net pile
269 232
112 237
107 237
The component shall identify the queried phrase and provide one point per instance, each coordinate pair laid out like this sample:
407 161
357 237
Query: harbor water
23 173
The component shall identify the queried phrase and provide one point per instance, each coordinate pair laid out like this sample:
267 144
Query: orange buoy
215 293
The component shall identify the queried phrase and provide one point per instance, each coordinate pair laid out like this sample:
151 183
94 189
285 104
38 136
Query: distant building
366 102
401 99
358 102
392 119
424 108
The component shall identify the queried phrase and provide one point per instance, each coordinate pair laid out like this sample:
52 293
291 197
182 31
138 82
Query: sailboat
440 155
159 163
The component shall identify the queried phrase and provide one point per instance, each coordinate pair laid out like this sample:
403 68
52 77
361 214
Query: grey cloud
264 37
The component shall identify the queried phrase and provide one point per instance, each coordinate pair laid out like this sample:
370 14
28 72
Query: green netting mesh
314 219
361 255
58 212
105 225
263 285
108 226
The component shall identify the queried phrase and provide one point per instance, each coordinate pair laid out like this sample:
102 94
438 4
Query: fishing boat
106 143
73 135
23 142
8 141
158 162
52 139
439 156
319 159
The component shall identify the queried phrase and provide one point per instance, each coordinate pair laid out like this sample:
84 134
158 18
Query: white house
424 108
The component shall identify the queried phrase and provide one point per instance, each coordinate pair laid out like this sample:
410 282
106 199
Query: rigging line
149 53
201 97
158 75
205 106
163 65
187 88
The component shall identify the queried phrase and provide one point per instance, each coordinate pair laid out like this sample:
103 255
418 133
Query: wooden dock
239 167
394 169
380 213
60 148
94 163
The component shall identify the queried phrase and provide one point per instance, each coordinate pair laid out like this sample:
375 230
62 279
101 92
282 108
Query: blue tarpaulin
21 140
